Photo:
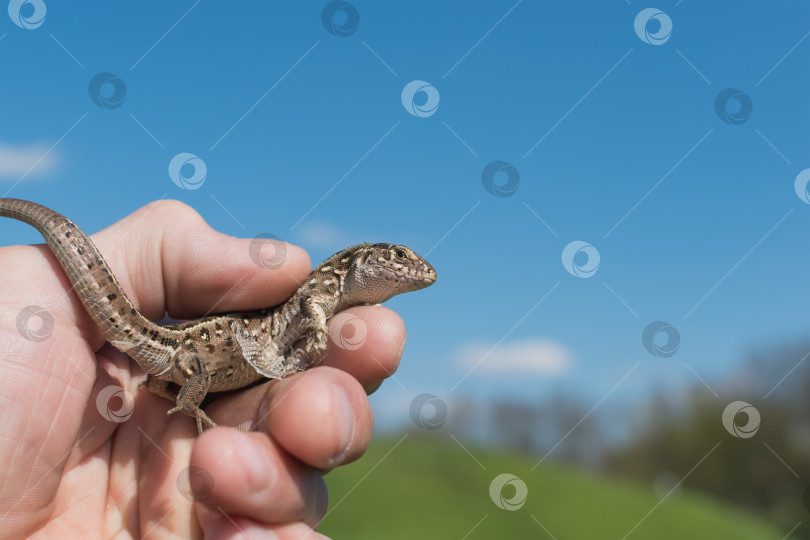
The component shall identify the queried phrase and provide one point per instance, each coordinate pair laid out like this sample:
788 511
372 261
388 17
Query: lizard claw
197 413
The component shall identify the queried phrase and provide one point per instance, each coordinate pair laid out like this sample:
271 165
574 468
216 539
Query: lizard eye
400 254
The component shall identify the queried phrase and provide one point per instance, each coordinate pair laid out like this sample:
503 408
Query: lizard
231 350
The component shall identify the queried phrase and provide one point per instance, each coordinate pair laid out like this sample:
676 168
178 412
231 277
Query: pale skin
68 471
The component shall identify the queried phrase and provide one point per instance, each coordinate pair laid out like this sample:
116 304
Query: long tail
99 292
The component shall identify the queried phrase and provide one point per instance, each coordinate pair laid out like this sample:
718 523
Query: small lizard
231 350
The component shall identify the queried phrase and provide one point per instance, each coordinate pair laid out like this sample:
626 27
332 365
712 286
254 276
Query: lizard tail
103 298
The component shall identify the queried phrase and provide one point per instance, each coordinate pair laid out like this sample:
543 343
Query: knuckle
171 210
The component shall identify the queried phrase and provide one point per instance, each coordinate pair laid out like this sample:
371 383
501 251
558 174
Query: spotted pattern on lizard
230 350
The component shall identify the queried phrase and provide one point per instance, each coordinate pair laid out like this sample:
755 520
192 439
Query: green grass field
431 488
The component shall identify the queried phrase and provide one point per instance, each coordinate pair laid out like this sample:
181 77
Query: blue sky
616 141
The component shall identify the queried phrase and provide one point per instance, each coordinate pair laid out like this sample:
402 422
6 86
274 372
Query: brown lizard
231 350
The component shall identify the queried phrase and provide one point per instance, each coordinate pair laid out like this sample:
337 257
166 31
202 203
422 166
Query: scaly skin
231 350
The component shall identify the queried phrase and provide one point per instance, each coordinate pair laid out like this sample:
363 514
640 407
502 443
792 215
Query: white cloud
530 356
30 160
322 235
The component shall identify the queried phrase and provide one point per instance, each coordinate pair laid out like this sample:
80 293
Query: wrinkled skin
69 471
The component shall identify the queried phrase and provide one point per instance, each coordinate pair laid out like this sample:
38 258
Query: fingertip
246 456
322 417
376 356
247 474
372 386
391 331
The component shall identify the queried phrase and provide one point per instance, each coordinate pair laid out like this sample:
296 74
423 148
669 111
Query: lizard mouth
420 277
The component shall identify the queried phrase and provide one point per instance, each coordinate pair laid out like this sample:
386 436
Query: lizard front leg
279 358
193 392
313 326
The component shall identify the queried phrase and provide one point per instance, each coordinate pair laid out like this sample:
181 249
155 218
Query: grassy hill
410 487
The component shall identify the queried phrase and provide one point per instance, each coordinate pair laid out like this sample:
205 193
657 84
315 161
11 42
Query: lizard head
377 272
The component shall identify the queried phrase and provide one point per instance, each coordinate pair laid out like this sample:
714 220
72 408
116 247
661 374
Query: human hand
70 468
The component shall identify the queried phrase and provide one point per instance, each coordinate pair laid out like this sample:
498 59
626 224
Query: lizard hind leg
192 393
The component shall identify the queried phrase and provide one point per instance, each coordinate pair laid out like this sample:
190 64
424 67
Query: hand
67 470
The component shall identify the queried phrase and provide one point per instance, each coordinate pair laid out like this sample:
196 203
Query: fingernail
401 348
262 471
346 425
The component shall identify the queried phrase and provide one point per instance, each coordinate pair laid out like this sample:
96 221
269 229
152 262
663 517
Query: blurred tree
679 440
768 472
515 425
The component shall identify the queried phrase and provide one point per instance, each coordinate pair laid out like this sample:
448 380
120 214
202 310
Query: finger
367 342
248 474
238 527
322 417
168 259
